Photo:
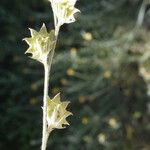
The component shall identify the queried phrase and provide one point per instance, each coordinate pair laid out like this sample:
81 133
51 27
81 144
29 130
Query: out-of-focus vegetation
102 66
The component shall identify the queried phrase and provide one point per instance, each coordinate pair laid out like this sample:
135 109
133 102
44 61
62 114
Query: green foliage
102 75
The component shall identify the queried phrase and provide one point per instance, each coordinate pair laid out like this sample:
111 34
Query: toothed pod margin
64 10
57 113
40 43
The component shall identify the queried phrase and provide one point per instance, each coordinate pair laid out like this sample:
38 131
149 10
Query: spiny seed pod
57 113
40 43
64 10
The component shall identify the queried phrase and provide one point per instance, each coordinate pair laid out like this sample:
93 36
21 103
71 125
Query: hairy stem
57 28
47 68
46 85
141 14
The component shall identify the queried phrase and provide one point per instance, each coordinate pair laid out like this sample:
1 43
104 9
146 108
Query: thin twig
46 84
141 14
47 68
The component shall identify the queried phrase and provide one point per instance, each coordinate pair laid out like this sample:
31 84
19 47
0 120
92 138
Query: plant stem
141 14
47 68
57 28
46 85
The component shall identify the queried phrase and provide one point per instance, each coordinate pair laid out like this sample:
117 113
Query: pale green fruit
64 10
40 43
57 113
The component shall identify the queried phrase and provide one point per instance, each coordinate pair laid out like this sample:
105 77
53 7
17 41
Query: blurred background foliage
102 65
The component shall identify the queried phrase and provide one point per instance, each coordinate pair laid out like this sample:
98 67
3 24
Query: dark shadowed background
102 65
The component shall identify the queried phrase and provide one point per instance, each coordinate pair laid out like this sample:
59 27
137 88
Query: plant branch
46 85
47 68
141 14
